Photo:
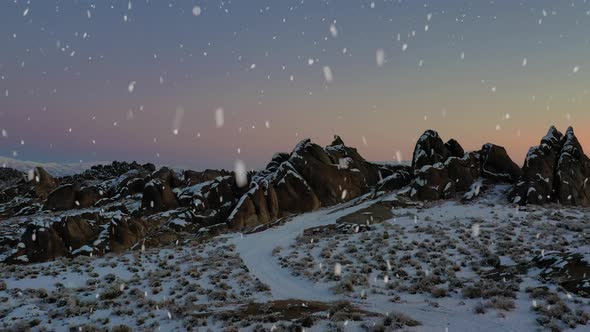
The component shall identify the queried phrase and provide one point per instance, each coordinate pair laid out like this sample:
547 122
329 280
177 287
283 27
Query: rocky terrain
320 239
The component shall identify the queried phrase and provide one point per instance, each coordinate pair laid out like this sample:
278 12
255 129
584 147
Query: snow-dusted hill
55 169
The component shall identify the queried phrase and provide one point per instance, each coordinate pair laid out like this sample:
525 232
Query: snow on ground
256 251
371 264
424 262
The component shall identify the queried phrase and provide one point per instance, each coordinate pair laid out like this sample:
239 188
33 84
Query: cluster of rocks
115 207
106 208
441 170
311 177
557 170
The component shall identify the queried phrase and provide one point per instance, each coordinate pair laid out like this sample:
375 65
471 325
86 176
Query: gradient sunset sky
143 79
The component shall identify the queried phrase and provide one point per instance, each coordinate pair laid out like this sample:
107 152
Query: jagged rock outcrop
135 185
308 178
38 244
121 205
42 182
441 170
89 233
573 173
401 177
70 196
497 165
158 196
62 198
557 170
430 149
536 186
168 176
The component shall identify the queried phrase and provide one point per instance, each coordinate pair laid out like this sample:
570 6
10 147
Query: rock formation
116 207
557 170
441 170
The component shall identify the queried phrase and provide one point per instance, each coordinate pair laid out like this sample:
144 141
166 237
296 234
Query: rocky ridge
112 208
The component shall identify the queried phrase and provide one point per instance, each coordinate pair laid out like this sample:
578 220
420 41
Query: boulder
136 186
76 232
244 215
573 173
464 171
442 169
42 182
432 183
168 176
536 185
497 165
126 233
455 149
294 195
395 181
62 198
429 150
70 196
39 244
87 197
158 196
331 182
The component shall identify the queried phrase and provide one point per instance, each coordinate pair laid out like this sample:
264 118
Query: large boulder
126 233
432 183
38 244
330 181
573 172
87 197
536 186
442 169
158 196
136 185
42 182
294 194
308 178
497 165
455 148
555 171
464 171
62 198
430 149
70 196
397 180
76 231
244 215
168 176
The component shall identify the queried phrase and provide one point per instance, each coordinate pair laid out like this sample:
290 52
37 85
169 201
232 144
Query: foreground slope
372 263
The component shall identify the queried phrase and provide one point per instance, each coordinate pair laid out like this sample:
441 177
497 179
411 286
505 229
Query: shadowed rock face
441 170
308 178
557 170
497 165
158 196
42 182
573 172
536 186
430 150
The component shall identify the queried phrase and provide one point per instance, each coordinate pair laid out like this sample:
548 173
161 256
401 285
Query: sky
200 84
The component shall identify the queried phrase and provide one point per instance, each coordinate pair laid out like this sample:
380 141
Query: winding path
256 252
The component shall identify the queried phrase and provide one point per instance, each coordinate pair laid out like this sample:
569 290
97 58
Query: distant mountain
55 169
